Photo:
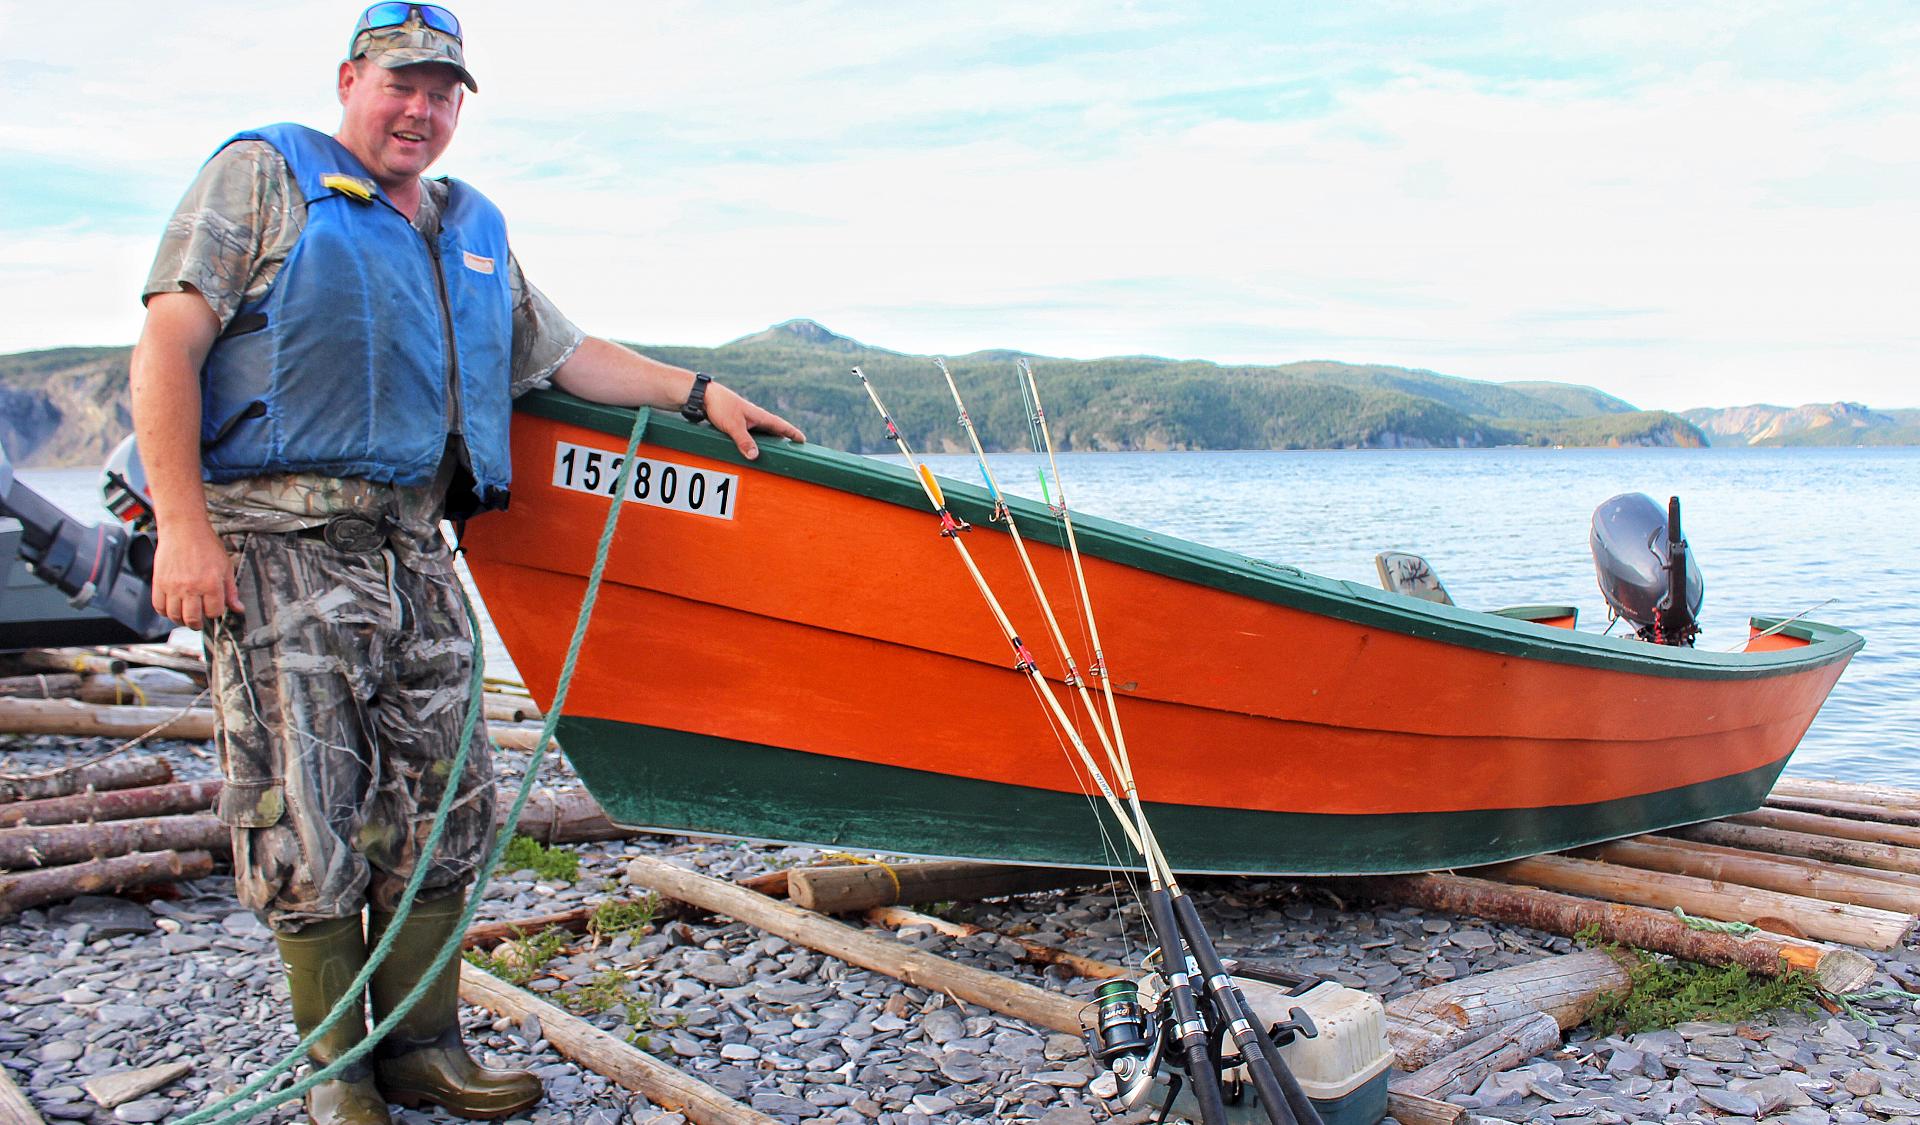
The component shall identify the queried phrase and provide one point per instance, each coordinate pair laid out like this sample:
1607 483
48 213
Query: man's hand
736 416
193 576
603 371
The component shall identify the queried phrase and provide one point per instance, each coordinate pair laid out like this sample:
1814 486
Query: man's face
398 121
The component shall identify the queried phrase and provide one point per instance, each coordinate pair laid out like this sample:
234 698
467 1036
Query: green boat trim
677 782
1181 559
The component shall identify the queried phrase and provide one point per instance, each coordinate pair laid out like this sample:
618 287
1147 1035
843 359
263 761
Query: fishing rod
1190 1028
1280 1092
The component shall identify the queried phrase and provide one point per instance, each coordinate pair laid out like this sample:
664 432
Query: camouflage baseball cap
411 44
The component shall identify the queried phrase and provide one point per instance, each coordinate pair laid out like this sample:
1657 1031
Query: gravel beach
104 985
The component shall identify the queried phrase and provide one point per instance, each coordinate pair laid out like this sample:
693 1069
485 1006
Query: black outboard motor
1646 572
102 567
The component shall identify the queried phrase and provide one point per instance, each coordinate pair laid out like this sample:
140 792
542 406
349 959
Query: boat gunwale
1184 560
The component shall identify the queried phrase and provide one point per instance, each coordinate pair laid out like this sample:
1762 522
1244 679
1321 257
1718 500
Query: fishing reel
1128 1041
1134 1028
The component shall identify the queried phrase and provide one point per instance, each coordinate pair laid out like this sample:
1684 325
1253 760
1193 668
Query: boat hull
816 667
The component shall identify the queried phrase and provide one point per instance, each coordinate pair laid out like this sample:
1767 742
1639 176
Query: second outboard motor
102 566
1646 572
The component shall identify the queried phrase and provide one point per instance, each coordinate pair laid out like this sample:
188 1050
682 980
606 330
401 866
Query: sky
1699 204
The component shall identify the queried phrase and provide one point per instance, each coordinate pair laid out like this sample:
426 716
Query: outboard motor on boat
1646 572
101 567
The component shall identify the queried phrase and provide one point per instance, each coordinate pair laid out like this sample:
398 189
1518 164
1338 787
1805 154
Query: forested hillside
68 406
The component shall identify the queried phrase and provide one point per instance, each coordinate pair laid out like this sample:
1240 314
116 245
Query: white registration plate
662 484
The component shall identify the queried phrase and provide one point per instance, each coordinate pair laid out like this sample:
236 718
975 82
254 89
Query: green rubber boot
322 959
422 1058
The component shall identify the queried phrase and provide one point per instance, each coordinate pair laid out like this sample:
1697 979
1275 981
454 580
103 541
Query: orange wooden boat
786 650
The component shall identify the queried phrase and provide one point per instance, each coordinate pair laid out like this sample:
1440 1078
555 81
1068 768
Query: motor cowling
123 486
1642 561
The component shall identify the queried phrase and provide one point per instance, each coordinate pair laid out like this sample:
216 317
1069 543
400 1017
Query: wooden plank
15 1109
1828 883
850 888
601 1053
894 917
1835 968
1825 921
884 955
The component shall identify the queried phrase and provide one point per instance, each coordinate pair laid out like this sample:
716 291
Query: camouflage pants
341 689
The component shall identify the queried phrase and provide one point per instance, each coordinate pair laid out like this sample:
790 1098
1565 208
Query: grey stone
1718 1048
145 1111
1726 1101
1771 1093
242 924
101 916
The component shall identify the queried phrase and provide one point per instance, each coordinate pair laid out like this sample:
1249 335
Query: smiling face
398 121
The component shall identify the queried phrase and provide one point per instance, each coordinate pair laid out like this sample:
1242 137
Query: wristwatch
695 410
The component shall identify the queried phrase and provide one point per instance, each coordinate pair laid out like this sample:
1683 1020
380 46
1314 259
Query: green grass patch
519 960
525 852
1665 992
632 916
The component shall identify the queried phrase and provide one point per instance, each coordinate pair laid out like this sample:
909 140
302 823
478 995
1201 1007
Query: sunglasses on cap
395 15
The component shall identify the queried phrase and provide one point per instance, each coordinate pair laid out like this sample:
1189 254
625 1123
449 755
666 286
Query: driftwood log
1860 886
1423 1026
43 685
51 845
102 720
1466 1067
114 773
157 688
160 656
24 890
560 816
1838 827
894 917
850 888
1849 810
1822 842
79 660
914 966
1857 792
1809 917
117 804
1833 968
1414 1109
603 1054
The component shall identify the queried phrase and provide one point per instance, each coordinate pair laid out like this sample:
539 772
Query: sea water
1830 533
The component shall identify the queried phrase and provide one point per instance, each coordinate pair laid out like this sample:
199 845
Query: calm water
1776 531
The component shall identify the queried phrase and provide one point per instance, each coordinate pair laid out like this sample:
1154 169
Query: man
330 349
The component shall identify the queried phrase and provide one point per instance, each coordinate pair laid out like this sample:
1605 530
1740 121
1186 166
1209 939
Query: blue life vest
341 367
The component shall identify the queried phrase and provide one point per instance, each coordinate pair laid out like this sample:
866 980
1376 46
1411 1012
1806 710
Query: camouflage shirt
227 241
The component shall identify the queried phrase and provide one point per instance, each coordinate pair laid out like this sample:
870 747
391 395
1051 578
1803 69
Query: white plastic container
1343 1068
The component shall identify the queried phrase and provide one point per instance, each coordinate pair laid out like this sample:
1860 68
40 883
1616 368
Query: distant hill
68 406
1148 402
1830 423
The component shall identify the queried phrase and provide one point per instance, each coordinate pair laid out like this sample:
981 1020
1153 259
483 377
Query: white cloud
1649 210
